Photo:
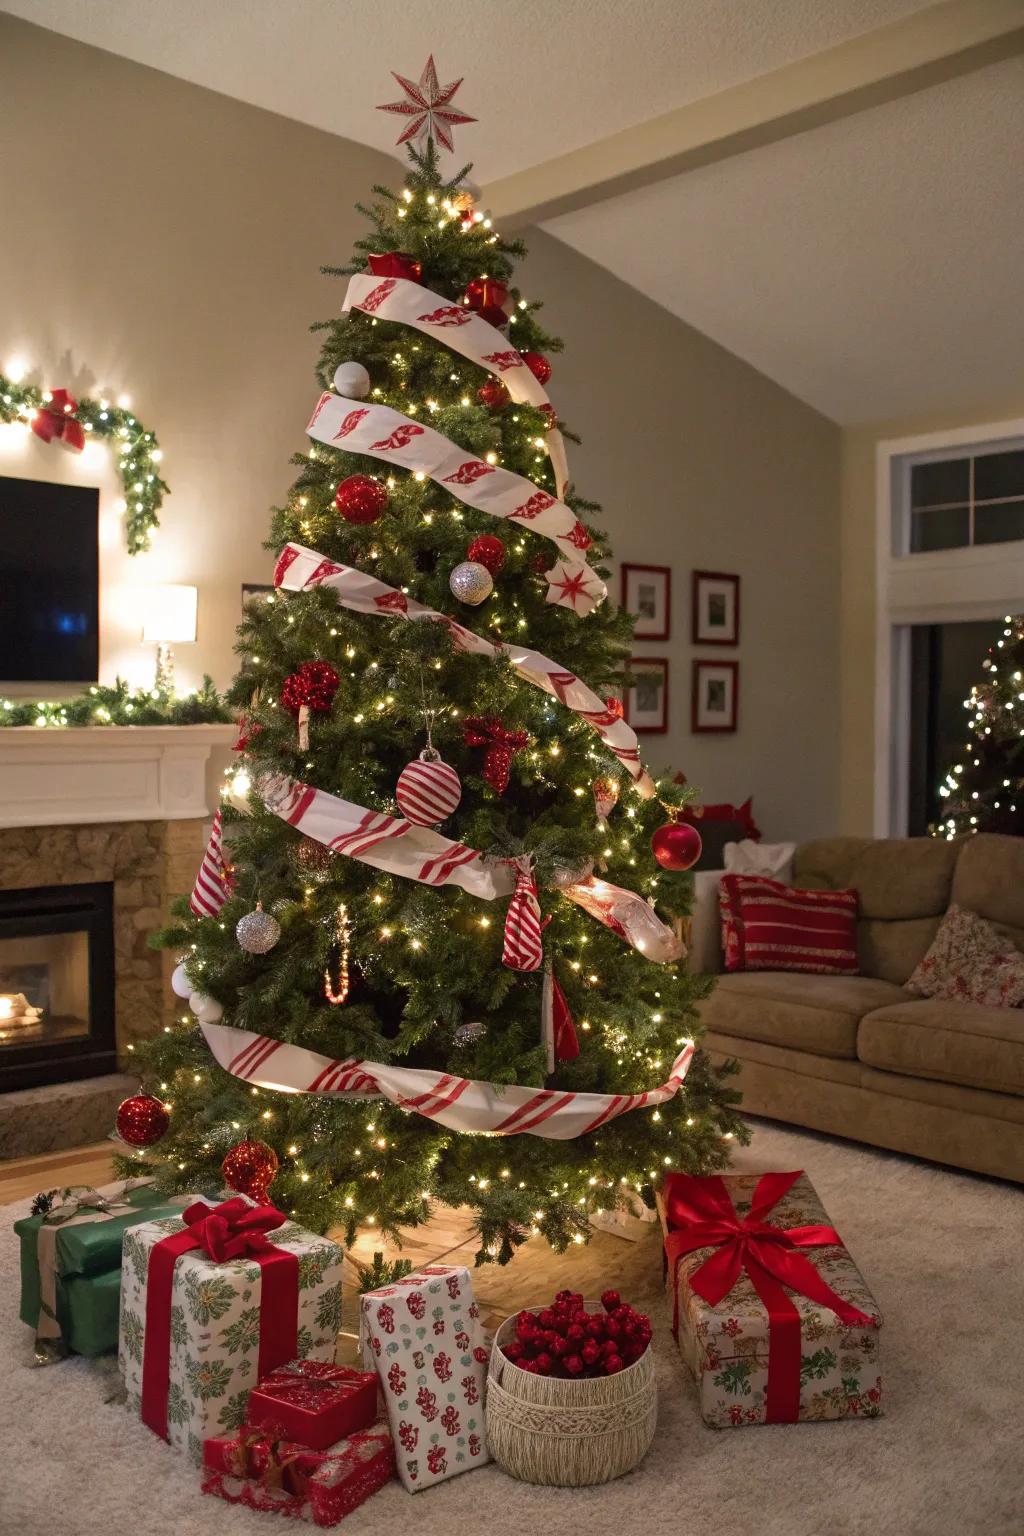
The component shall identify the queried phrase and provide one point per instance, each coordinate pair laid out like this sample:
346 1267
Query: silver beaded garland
257 931
471 582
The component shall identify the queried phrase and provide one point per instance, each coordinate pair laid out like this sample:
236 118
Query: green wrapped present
71 1265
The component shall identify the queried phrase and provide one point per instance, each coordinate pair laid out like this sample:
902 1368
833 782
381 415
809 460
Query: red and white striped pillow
771 927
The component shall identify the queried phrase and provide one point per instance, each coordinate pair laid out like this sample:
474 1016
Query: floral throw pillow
971 962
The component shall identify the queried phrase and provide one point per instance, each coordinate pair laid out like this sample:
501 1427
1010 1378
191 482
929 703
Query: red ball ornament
249 1167
677 845
494 394
614 706
487 551
488 299
142 1120
538 365
395 264
361 499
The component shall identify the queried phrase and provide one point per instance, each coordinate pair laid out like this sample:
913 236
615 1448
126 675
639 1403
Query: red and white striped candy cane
213 882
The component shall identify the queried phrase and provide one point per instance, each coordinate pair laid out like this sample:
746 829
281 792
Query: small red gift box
314 1403
257 1469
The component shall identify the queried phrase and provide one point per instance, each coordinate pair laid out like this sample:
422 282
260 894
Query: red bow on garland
56 421
701 1215
487 731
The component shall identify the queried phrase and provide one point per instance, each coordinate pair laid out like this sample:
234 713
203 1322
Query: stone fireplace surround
129 805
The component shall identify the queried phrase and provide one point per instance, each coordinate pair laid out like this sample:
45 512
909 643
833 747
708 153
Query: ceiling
871 266
542 76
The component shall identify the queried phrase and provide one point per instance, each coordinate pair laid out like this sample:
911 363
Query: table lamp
170 620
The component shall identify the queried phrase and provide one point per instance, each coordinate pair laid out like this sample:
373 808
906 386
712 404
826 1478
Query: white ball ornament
352 379
257 932
206 1009
471 582
180 984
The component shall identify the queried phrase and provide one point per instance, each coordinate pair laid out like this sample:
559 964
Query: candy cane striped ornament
523 949
428 789
213 882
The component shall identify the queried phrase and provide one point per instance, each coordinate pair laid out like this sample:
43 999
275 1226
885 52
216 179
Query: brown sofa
860 1056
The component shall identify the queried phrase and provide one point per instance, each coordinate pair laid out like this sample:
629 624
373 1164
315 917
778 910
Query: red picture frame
702 628
704 703
657 625
646 721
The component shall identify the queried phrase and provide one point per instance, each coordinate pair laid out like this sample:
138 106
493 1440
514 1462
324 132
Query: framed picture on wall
646 701
647 595
715 699
716 608
253 591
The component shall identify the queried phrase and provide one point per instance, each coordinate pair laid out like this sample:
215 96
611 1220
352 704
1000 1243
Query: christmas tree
436 917
984 790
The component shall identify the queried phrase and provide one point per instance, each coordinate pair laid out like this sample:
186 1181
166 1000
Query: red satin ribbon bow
55 421
232 1230
701 1215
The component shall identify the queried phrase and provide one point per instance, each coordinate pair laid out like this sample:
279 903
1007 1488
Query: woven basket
569 1434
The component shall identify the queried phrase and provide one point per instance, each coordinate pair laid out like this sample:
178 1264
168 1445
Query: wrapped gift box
193 1345
84 1250
769 1345
424 1336
281 1477
315 1403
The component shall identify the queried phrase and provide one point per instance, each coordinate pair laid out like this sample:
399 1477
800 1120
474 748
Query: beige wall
858 612
171 249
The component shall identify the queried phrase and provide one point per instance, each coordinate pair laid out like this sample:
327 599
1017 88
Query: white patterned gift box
424 1338
215 1326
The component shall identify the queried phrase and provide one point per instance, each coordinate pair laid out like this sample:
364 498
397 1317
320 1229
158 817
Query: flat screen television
49 582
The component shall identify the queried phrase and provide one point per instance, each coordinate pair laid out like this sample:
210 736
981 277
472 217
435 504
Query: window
974 498
945 663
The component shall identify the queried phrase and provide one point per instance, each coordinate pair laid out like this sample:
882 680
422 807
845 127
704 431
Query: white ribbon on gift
298 569
384 433
459 1103
464 331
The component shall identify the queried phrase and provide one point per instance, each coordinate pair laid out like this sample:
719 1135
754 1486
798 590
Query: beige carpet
942 1252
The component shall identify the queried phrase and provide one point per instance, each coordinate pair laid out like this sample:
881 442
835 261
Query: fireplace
56 984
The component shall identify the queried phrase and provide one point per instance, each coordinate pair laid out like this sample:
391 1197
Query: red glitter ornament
487 731
539 563
676 846
487 551
142 1120
538 365
249 1167
395 264
494 394
313 685
361 499
488 299
614 706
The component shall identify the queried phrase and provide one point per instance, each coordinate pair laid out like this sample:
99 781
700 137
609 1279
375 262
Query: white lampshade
170 617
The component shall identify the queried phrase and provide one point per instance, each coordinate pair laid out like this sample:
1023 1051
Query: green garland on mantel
121 705
139 452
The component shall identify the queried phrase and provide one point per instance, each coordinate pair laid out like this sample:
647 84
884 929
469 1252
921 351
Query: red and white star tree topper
429 106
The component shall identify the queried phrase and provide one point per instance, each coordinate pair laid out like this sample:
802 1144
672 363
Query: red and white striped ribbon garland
463 331
386 434
523 949
213 883
395 845
459 1103
299 569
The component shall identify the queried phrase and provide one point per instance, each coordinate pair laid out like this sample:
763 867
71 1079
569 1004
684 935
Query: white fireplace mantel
65 776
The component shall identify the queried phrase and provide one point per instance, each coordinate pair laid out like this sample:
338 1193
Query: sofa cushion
819 1014
965 1043
971 962
892 951
989 880
767 926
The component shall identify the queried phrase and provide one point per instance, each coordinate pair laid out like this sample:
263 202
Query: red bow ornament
56 421
487 731
701 1215
233 1230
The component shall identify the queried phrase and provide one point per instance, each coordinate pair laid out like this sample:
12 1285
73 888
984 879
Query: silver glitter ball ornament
471 582
467 1034
257 931
352 379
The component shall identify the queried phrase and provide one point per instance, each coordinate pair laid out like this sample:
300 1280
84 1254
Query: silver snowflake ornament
428 104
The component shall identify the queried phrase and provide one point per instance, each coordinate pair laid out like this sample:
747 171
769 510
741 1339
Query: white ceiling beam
922 49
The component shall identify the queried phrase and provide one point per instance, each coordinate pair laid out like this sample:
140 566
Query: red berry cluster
315 684
568 1341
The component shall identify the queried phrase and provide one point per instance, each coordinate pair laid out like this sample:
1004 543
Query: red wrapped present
315 1403
261 1470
